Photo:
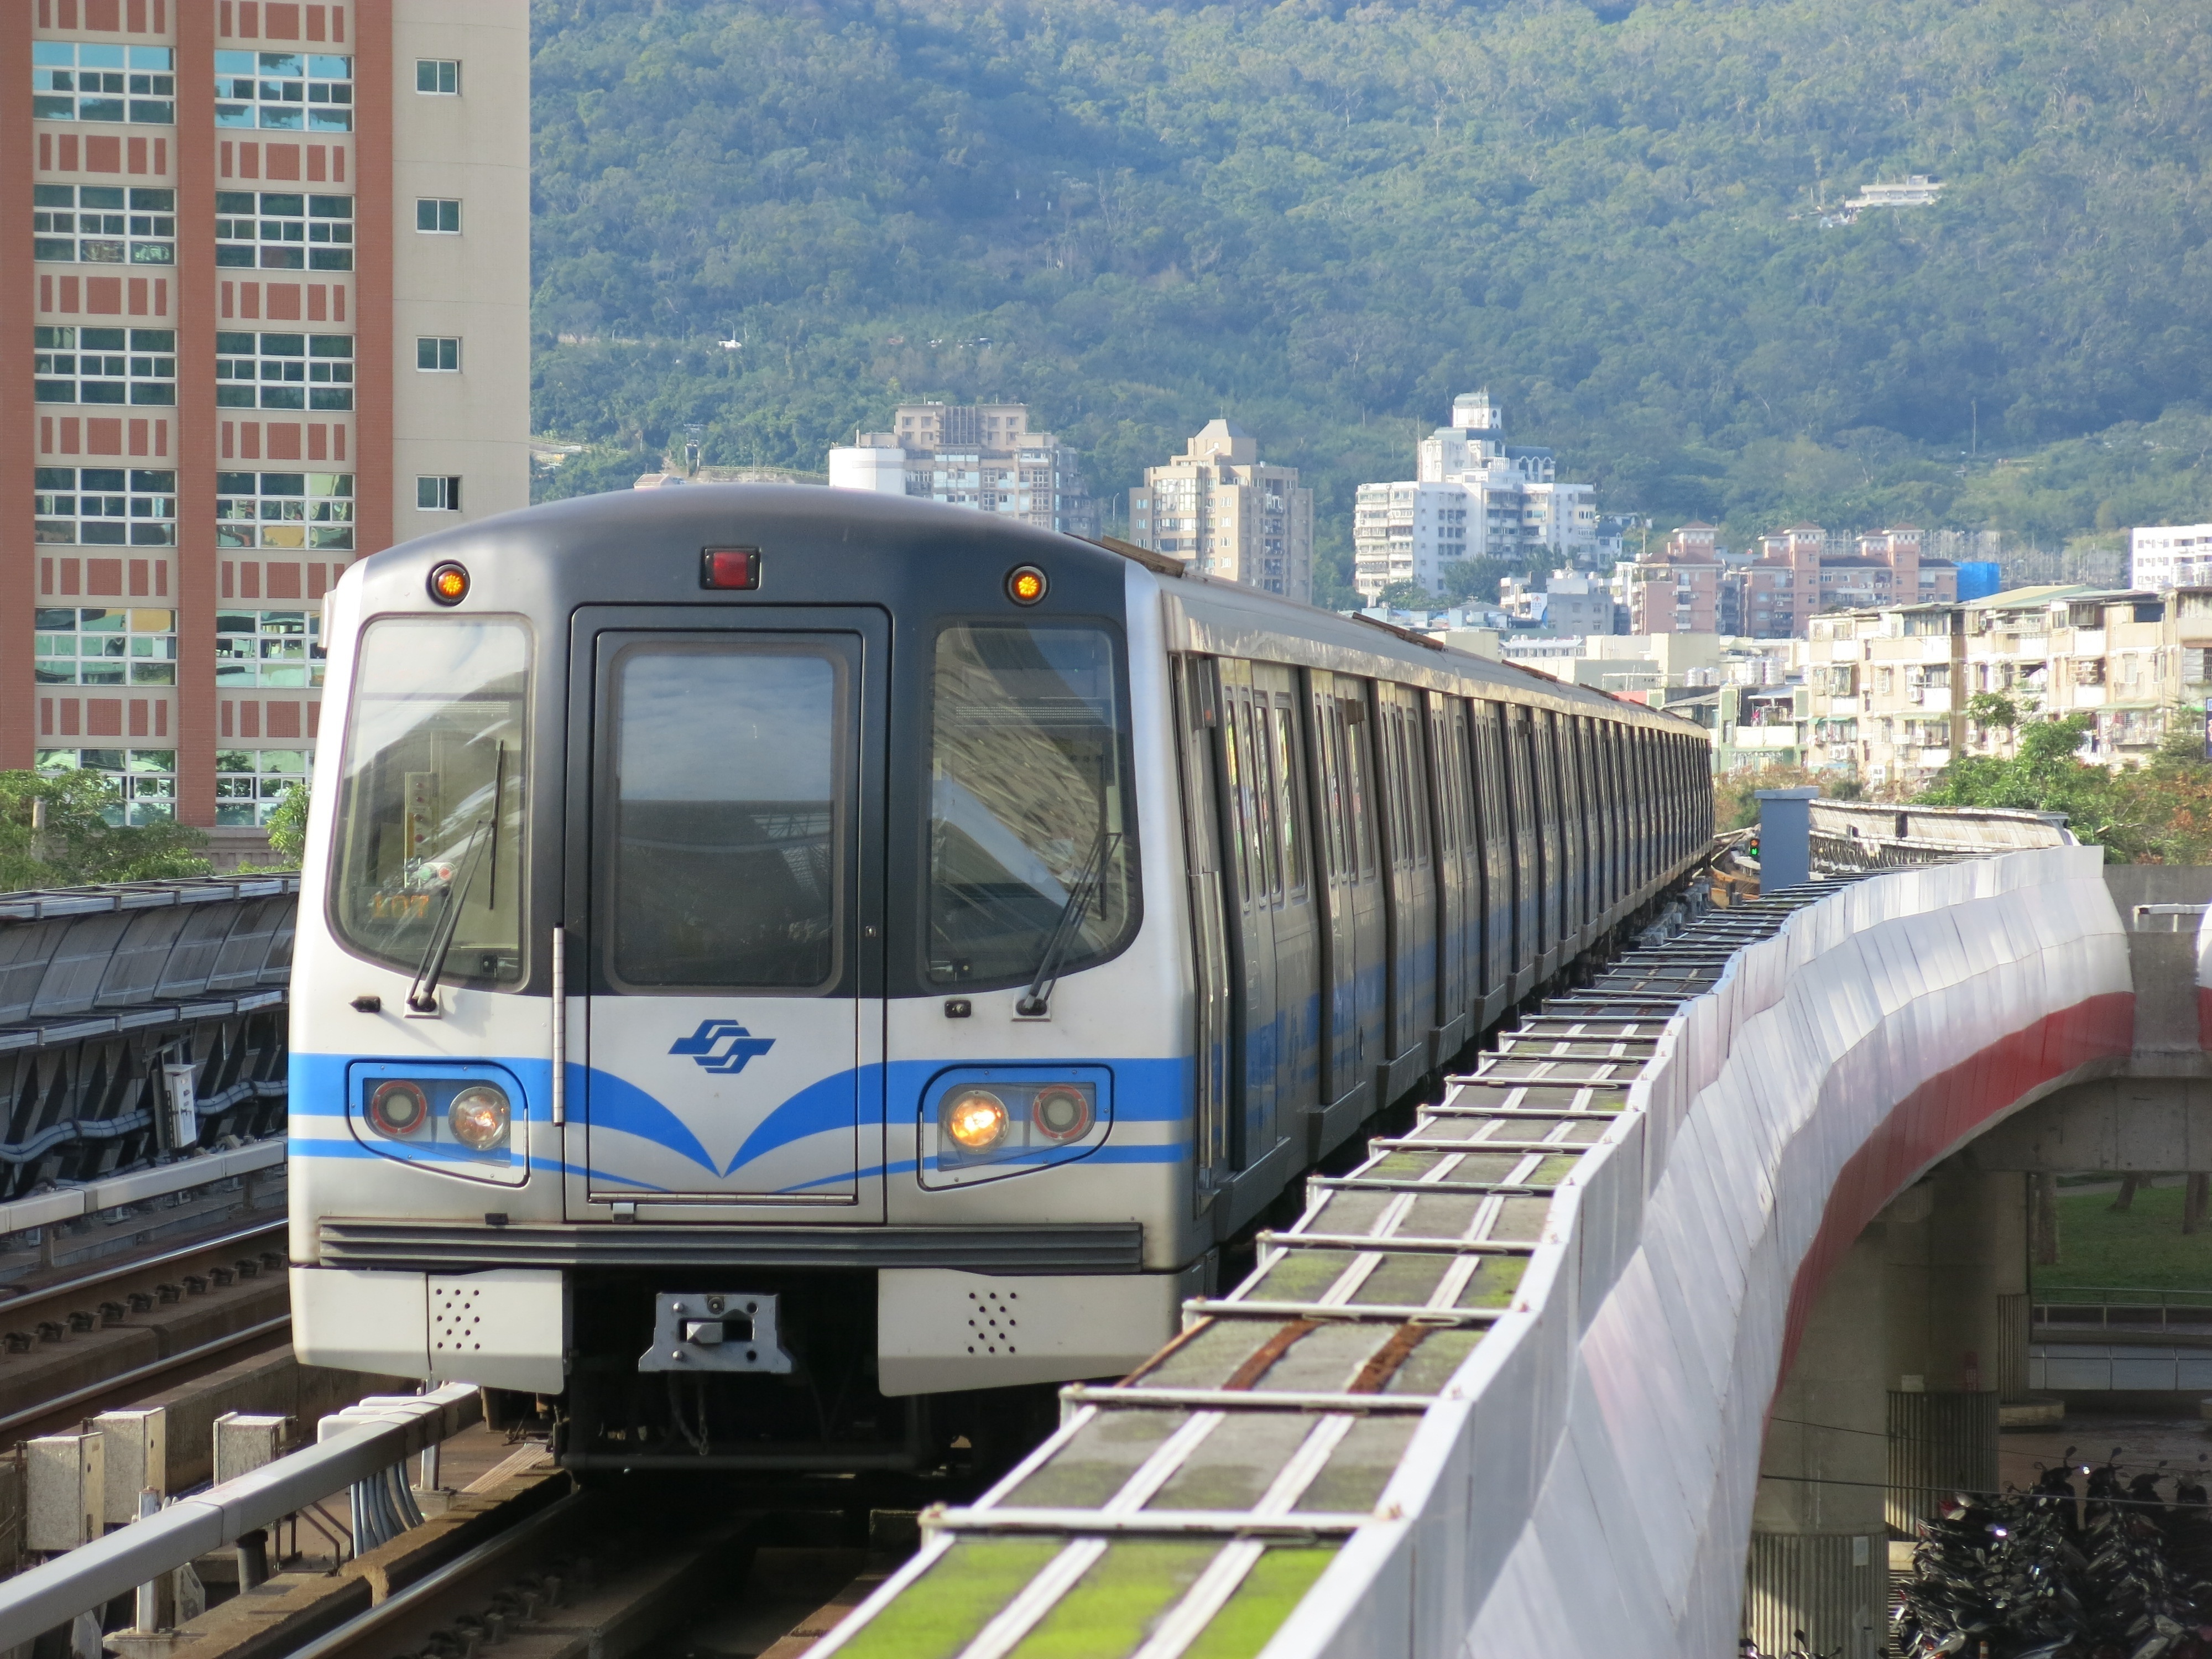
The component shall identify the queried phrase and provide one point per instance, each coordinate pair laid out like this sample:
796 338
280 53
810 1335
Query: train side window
1283 722
1416 785
1359 782
1268 850
1237 798
1328 750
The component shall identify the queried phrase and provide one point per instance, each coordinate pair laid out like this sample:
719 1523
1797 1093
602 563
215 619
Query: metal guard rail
52 1595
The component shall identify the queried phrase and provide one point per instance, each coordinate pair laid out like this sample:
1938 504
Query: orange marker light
449 583
1025 584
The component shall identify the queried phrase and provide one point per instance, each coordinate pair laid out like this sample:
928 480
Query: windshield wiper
422 995
1036 1001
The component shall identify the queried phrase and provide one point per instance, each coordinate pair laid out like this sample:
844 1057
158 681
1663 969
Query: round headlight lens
1061 1112
478 1117
976 1118
397 1108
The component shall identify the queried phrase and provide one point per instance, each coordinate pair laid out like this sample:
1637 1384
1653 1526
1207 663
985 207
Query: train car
777 963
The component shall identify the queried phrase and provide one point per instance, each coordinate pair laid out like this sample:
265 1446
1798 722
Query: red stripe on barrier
1945 1110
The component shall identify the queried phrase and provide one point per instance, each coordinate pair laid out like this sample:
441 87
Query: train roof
1205 613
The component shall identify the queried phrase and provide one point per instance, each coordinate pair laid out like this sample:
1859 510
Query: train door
1199 717
1532 938
1459 882
1336 881
726 869
1297 923
1575 825
1410 864
1493 827
1543 765
1256 862
1364 796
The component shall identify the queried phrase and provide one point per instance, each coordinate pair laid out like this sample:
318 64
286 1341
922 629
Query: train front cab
810 1156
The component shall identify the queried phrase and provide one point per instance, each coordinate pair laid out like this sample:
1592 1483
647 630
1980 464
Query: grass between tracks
2140 1248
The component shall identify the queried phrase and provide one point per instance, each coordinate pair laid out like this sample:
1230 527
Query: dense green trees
2160 813
1325 219
77 843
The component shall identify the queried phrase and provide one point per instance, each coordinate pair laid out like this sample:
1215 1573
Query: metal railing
359 1447
1853 837
2119 1307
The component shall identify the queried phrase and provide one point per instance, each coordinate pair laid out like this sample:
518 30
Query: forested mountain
1325 219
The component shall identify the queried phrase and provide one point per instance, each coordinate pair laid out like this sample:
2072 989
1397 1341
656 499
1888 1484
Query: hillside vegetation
1326 219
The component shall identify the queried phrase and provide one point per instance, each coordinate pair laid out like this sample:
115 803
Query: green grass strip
1113 1606
940 1613
1269 1594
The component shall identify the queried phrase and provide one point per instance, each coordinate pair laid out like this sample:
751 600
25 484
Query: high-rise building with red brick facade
272 297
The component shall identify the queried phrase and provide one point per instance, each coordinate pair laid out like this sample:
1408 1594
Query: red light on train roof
729 567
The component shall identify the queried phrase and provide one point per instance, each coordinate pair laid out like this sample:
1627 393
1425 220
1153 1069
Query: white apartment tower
1217 506
982 456
1474 497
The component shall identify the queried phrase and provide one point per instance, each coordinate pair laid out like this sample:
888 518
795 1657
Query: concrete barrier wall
1588 1491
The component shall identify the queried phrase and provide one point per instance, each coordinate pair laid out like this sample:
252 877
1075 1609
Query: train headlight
398 1108
986 1122
976 1119
479 1116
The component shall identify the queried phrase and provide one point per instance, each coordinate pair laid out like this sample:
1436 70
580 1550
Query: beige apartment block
274 298
1218 506
1890 689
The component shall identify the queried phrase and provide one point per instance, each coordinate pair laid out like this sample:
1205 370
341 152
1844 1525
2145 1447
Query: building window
145 779
268 647
251 784
438 495
87 224
438 354
107 647
288 90
284 232
438 216
283 509
77 81
104 366
104 506
283 371
439 75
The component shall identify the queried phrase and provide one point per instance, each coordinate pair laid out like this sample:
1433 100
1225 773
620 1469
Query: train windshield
1030 813
430 809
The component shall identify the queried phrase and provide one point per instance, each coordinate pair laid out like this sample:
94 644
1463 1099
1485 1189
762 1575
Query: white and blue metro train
771 954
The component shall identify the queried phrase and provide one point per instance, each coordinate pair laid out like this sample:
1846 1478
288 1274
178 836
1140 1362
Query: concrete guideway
1661 1172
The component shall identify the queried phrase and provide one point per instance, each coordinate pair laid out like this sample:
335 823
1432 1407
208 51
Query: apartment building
1677 590
1474 496
2163 555
983 456
1890 688
1219 507
276 286
1798 573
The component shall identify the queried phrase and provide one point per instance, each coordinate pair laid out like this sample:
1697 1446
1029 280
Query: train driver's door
731 971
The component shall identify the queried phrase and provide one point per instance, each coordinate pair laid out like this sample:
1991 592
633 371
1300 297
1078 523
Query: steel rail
491 1555
70 1290
183 1360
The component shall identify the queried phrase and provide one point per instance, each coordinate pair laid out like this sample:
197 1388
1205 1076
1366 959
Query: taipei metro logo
722 1045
